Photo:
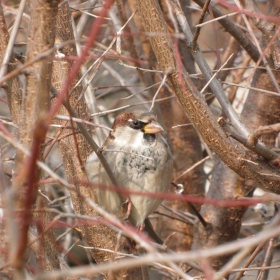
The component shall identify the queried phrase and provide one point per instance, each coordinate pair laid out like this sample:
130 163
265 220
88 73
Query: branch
195 106
251 142
269 232
263 130
267 28
197 29
215 85
234 30
10 47
32 129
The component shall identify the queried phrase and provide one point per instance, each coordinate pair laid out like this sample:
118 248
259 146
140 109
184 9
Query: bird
140 159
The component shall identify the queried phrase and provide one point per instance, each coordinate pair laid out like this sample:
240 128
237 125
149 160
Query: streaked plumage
140 159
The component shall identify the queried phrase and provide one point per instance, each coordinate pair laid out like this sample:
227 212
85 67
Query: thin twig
197 29
18 70
216 73
233 29
192 167
93 145
215 85
263 130
151 257
79 120
248 262
253 88
131 105
216 19
258 148
158 90
233 263
42 165
10 47
262 57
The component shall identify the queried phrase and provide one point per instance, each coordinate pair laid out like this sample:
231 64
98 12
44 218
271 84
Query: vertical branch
259 109
95 235
5 200
13 88
32 132
9 50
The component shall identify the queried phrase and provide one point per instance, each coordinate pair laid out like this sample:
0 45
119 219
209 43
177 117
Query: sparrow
140 159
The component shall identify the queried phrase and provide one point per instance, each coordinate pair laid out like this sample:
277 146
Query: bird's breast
136 163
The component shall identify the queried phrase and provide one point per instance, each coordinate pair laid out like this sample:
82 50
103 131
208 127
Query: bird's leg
128 205
142 226
100 150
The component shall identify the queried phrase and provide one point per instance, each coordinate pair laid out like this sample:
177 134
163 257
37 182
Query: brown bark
25 181
224 223
186 150
194 104
96 235
13 87
197 111
268 29
233 30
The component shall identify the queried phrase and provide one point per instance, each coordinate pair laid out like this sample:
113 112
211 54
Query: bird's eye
136 124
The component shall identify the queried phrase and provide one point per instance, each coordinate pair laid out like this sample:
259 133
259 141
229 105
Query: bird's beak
153 128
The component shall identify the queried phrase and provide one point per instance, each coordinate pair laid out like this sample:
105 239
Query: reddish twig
76 67
186 198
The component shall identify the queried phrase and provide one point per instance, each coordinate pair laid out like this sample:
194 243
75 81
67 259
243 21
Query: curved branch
233 154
